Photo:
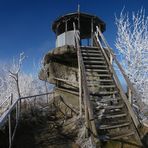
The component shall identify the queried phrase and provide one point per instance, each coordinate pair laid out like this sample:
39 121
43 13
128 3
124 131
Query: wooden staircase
112 118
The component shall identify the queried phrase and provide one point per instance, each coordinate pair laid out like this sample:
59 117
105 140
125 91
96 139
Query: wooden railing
84 97
110 58
17 107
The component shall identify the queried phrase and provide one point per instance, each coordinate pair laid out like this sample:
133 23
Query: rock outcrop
60 68
61 63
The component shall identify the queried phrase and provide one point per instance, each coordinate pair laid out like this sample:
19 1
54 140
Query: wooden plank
91 51
93 58
110 99
106 127
96 66
97 70
113 106
91 55
99 80
127 134
100 86
88 47
115 116
94 62
104 93
74 84
68 91
97 74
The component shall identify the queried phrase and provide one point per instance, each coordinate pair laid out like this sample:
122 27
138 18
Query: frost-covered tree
132 43
14 80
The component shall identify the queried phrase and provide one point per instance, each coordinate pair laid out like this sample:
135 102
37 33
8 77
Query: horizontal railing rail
16 106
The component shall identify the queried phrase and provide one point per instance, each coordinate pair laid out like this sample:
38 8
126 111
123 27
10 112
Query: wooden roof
85 23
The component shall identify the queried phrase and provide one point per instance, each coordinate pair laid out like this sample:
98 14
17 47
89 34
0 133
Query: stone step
107 127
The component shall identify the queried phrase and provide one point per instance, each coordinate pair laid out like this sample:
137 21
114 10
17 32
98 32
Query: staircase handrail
89 117
7 115
134 118
130 85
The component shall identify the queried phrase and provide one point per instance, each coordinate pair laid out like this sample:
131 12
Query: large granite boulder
60 63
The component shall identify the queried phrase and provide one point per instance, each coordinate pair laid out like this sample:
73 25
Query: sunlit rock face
60 63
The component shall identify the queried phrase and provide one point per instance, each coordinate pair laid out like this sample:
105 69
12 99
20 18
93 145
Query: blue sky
25 25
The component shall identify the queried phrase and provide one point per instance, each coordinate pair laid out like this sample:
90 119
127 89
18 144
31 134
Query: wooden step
109 100
100 86
106 80
89 47
92 54
104 93
113 106
107 127
90 51
95 66
96 70
127 134
115 116
92 62
97 74
93 58
98 79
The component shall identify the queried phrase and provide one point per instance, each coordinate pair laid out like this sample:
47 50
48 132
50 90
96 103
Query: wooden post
18 90
80 91
10 131
46 90
9 122
92 31
79 71
17 112
11 100
130 95
57 33
111 59
65 32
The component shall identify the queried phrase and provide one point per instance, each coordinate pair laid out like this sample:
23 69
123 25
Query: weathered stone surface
60 63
